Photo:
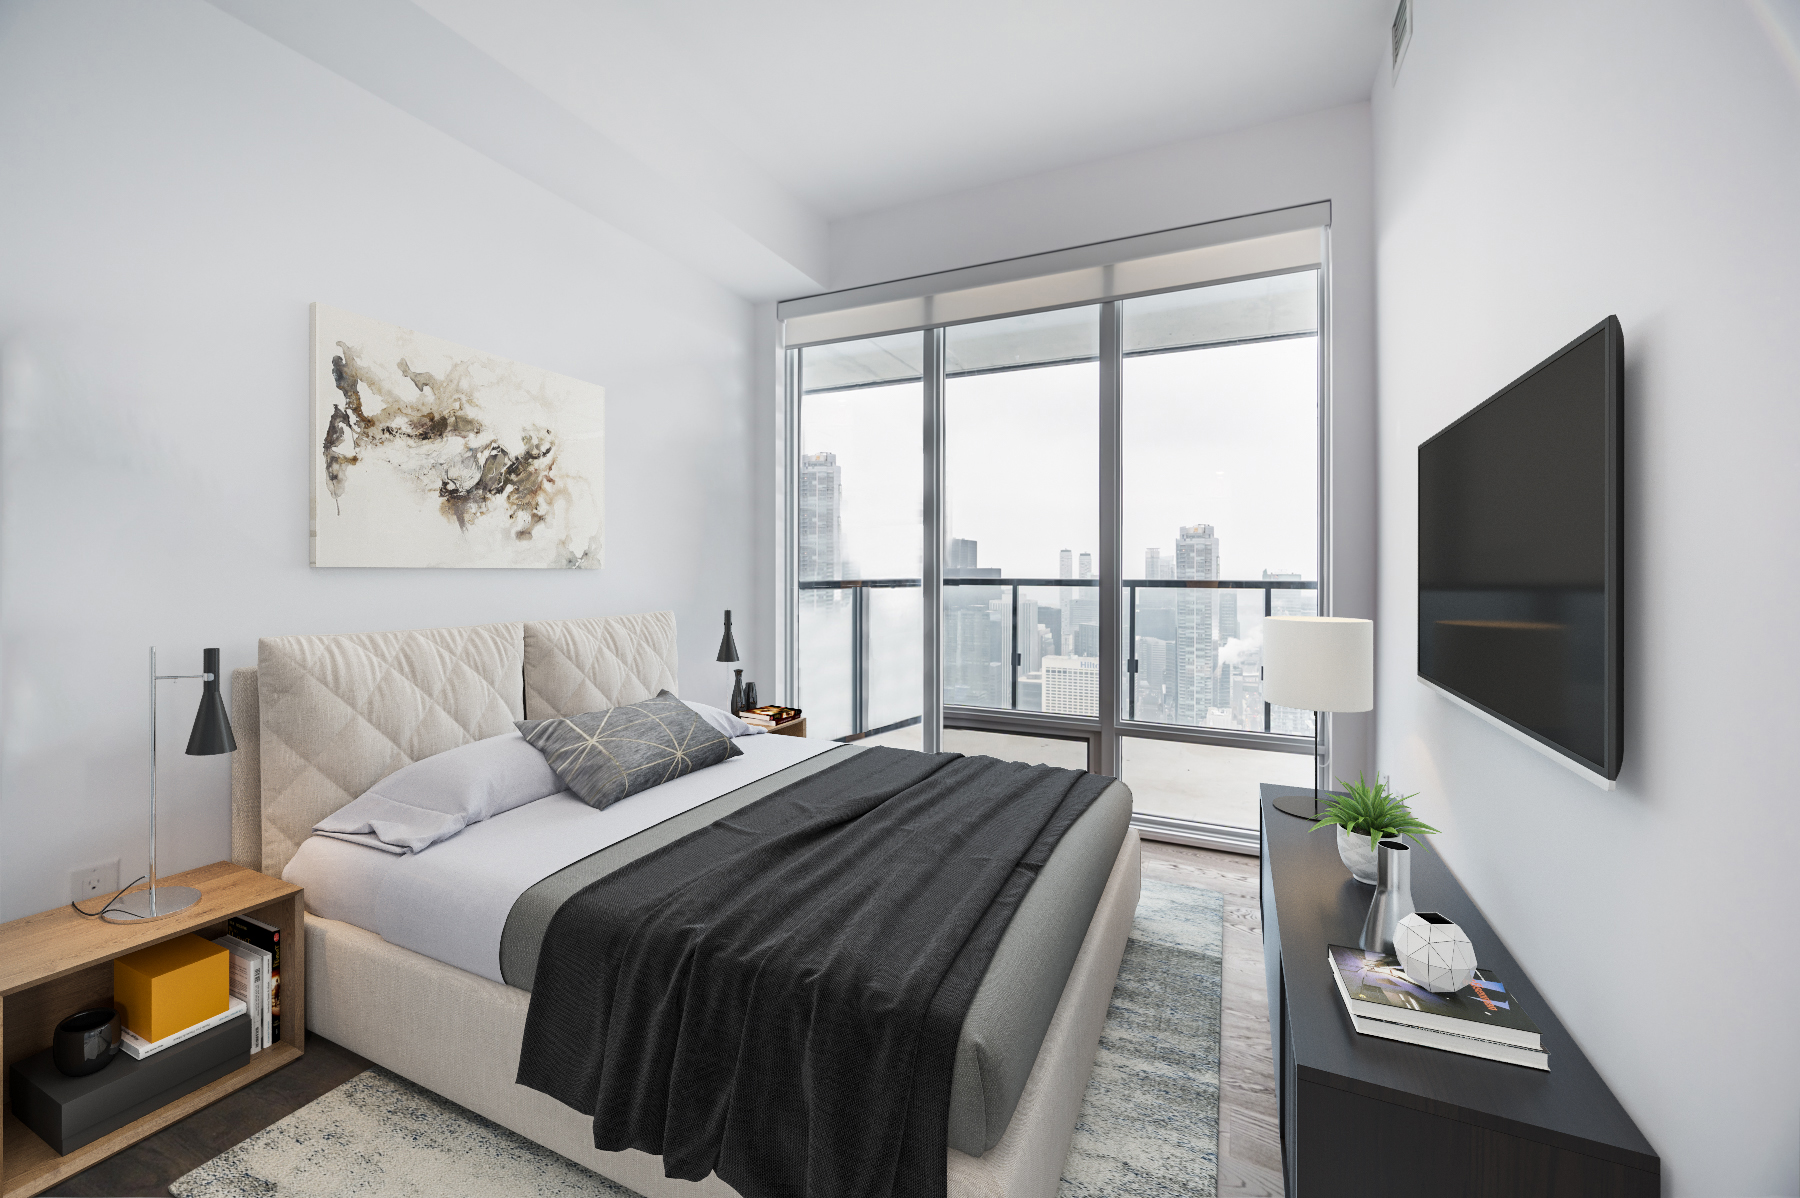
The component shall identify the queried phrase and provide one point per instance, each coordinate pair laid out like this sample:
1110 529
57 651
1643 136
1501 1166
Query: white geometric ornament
1434 952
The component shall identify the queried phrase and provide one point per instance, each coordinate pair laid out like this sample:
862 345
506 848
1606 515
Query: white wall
1320 156
1540 165
178 188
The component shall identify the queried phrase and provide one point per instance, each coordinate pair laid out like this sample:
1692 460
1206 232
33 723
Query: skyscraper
971 656
1030 649
821 517
1196 650
1152 655
1072 685
1065 568
1290 603
963 554
1084 612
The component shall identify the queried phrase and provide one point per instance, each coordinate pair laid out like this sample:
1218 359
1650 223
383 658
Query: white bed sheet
450 902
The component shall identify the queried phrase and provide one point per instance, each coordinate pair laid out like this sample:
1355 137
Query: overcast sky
1225 437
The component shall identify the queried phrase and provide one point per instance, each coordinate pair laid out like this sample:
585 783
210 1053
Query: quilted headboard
323 718
572 666
340 713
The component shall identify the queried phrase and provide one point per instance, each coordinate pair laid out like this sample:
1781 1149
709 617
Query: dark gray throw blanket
777 996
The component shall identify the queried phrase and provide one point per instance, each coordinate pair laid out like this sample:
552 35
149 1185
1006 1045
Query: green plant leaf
1375 810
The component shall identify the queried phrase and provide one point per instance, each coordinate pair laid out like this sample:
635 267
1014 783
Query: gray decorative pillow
605 756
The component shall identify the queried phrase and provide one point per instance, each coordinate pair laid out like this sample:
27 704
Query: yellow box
170 986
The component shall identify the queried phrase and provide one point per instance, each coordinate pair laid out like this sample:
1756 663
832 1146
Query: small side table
56 963
797 728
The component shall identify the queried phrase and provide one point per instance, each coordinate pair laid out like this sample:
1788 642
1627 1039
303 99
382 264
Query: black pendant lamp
728 652
212 727
727 645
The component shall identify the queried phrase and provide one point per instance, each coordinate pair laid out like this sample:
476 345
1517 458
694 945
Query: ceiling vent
1400 34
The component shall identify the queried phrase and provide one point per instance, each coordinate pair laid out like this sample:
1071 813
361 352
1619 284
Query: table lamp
211 734
1317 664
728 652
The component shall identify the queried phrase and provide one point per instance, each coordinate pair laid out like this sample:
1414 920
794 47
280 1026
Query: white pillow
435 798
723 721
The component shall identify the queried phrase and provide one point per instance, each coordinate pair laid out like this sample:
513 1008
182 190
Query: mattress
451 901
481 900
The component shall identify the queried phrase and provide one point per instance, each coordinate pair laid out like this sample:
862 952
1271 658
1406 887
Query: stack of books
265 939
770 717
1480 1020
138 1048
253 981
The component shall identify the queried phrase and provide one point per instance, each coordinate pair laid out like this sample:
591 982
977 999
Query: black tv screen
1520 553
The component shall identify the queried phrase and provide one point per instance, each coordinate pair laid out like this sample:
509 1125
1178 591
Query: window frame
1104 733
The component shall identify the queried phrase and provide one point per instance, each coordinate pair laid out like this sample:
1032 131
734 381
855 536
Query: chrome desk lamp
211 735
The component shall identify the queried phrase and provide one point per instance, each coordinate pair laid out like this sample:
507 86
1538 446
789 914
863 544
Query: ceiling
732 134
855 107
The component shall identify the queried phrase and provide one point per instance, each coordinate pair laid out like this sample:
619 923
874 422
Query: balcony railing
860 628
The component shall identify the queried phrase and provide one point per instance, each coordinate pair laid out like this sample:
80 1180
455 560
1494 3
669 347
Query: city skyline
1219 483
1226 435
1204 669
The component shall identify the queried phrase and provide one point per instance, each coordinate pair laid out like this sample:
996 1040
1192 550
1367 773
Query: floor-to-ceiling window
1106 500
1219 398
858 485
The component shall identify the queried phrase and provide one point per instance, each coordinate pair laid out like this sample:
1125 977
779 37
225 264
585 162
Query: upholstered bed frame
322 718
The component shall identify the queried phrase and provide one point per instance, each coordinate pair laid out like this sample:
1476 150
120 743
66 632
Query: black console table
1366 1116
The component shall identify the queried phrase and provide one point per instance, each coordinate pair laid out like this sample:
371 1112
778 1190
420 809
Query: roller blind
1243 247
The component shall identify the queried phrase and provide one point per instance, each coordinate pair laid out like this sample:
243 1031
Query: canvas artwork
427 453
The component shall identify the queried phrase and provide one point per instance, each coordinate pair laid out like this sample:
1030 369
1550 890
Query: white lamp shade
1319 663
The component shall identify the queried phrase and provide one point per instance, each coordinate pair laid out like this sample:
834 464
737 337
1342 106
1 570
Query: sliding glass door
1124 492
1219 481
859 485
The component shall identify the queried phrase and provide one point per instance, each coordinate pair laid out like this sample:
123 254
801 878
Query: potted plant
1374 811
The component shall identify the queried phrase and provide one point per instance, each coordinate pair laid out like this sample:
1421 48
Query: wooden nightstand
797 728
56 963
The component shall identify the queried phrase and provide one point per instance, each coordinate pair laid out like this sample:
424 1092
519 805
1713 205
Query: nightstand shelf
56 963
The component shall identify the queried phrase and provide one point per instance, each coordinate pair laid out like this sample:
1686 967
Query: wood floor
1249 1144
1249 1135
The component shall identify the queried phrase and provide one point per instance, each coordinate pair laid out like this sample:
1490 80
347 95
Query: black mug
86 1042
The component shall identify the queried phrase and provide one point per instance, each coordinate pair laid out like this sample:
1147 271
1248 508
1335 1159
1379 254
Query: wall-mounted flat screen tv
1520 555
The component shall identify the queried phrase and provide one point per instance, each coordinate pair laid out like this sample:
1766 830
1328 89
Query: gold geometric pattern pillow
605 756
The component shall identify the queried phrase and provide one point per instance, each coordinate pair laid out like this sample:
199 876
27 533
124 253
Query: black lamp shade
727 645
212 727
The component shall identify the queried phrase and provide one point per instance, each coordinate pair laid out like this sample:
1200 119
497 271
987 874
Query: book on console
137 1048
1379 989
268 938
251 970
1352 968
772 716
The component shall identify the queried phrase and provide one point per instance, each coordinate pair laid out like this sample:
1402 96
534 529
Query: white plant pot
1357 856
1434 952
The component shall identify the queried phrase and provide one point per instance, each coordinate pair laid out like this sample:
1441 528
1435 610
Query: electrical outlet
94 881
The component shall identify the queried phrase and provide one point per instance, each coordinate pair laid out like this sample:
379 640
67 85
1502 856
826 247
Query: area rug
1149 1124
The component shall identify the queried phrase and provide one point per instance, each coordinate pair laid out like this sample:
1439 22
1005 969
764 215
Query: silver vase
1393 896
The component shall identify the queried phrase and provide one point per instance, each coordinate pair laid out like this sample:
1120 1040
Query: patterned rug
1149 1125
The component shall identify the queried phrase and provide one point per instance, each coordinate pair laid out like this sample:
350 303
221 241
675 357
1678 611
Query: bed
323 718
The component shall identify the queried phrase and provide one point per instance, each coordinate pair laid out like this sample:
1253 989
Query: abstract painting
427 453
